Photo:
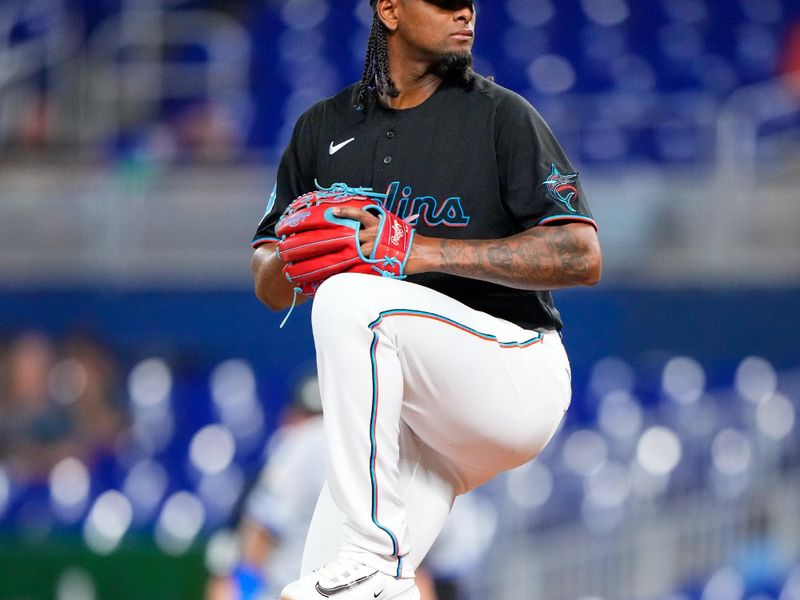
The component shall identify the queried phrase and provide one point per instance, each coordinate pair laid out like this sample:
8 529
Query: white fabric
424 398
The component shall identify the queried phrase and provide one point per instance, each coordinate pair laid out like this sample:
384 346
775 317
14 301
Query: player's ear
388 13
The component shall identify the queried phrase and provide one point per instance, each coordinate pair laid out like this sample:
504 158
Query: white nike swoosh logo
334 149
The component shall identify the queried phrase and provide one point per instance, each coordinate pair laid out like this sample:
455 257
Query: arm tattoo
539 258
572 254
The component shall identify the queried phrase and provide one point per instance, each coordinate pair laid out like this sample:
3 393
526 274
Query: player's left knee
332 289
341 297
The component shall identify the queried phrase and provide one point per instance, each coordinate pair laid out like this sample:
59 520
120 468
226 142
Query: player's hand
423 252
368 232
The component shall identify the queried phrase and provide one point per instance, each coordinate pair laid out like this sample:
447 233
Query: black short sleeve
295 177
540 185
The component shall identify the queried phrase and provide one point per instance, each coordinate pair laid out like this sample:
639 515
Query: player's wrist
424 255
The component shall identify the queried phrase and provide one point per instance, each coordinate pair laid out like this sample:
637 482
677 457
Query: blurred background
140 379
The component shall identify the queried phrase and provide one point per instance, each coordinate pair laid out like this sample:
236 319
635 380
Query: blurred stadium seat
670 63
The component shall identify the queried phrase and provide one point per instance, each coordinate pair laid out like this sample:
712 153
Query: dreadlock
455 67
376 78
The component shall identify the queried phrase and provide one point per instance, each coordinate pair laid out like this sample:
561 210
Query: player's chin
454 63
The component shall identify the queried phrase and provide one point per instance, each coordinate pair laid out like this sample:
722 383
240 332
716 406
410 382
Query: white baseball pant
424 398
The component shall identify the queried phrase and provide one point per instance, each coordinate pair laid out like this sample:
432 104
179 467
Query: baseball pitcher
429 212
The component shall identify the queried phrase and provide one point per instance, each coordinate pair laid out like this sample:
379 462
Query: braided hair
375 78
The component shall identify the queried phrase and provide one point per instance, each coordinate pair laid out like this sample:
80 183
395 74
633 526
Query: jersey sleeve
539 184
295 178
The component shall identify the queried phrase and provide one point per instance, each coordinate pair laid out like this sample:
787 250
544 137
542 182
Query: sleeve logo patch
562 187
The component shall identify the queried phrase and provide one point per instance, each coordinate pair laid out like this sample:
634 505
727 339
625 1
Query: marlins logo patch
297 218
562 187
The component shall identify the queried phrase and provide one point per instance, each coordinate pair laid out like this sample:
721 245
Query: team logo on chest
562 187
430 210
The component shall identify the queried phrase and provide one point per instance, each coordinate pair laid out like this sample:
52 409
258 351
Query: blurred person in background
57 401
208 132
462 545
36 430
789 60
34 126
91 389
278 508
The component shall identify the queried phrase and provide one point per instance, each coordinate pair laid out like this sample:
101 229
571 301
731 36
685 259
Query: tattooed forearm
574 256
539 258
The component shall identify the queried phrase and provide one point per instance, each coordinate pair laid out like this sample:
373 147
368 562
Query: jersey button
387 159
390 134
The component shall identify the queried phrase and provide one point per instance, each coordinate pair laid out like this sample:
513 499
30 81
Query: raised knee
332 288
338 297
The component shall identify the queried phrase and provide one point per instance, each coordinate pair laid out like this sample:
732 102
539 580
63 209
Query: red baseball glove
316 244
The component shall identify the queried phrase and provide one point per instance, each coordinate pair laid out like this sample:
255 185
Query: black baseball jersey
474 162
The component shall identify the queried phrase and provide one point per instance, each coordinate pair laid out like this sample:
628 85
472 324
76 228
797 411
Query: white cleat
346 579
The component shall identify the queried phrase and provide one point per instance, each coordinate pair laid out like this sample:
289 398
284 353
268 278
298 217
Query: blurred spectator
91 389
790 57
55 404
208 132
763 564
36 431
36 123
462 545
279 507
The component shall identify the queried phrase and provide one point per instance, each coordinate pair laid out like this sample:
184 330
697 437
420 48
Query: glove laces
342 189
295 291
